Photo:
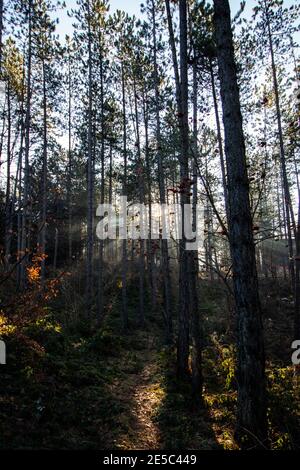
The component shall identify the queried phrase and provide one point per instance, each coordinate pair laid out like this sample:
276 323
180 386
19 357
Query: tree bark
183 334
297 277
251 414
69 189
142 201
150 257
89 261
196 321
102 192
45 175
124 193
8 184
25 214
219 135
162 191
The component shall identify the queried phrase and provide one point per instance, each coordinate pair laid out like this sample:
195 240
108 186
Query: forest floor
144 389
67 389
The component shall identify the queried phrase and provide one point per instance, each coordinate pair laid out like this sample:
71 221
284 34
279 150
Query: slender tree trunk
196 323
89 284
25 216
174 53
208 216
102 192
297 257
150 257
251 415
219 135
19 185
124 193
45 176
181 83
281 215
142 201
8 183
110 188
296 172
69 188
184 288
12 204
3 127
162 191
297 278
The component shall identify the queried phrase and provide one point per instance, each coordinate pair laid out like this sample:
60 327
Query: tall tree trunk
251 414
150 257
89 282
174 53
19 186
124 193
102 192
219 135
181 82
196 326
162 191
208 217
8 183
69 184
3 127
45 176
297 257
142 201
297 278
110 247
25 215
183 334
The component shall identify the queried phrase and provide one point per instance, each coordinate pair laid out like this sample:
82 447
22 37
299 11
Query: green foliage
284 411
106 343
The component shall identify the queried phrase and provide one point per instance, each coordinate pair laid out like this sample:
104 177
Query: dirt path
146 401
141 394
